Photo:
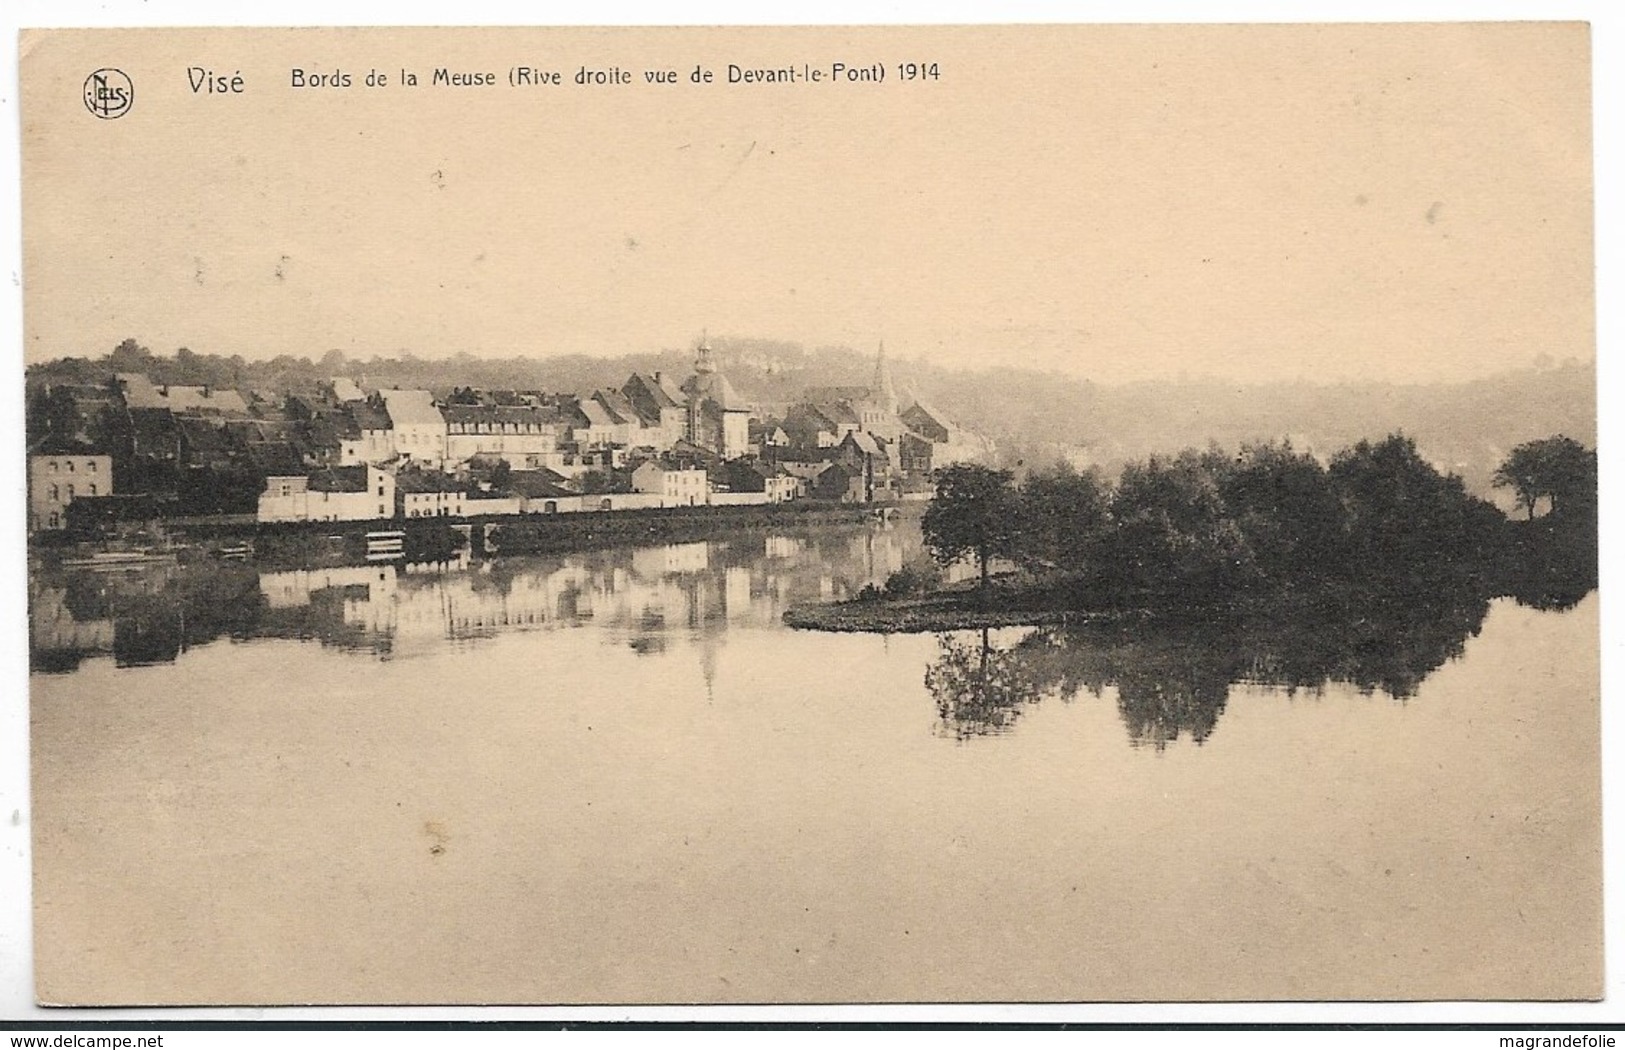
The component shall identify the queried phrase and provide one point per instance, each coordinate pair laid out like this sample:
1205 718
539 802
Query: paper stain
437 833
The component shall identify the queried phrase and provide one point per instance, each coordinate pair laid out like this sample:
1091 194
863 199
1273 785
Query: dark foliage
975 512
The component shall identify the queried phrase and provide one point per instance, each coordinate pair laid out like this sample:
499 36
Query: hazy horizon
1401 202
901 365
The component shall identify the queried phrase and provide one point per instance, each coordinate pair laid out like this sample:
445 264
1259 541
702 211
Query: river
615 776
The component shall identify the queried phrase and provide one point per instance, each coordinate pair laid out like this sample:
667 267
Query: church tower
698 388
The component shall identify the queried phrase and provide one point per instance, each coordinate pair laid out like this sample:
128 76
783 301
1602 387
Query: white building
419 428
524 435
358 493
676 488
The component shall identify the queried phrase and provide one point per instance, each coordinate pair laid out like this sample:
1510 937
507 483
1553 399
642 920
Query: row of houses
368 493
345 453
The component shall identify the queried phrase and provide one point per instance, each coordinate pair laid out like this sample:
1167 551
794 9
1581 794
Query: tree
1407 523
975 511
1287 510
1063 517
1558 469
1175 538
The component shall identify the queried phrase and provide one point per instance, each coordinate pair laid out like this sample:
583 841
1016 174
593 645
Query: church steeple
884 392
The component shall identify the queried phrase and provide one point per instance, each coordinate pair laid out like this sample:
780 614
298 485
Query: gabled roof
138 390
921 408
597 415
412 408
368 416
649 387
671 388
839 412
809 413
805 470
864 442
344 389
618 404
141 392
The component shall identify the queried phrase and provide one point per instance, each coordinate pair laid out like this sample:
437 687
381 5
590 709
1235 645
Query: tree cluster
1268 525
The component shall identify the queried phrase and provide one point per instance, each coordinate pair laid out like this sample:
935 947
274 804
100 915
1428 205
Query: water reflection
153 613
1173 679
1170 680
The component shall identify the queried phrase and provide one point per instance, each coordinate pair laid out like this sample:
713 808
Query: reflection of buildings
640 596
53 629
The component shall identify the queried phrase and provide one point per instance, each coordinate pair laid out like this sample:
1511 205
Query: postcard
996 514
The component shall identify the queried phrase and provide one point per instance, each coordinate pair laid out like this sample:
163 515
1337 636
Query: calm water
615 776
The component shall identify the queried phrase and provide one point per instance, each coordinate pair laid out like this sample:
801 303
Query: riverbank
950 607
917 616
563 533
310 544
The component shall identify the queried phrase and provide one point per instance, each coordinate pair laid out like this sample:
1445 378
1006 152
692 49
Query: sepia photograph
993 514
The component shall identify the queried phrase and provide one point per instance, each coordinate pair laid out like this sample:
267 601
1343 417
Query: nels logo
109 93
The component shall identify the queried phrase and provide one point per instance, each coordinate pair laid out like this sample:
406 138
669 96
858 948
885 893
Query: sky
1407 203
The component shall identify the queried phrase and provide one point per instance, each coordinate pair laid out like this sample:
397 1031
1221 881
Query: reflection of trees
1173 679
979 689
157 615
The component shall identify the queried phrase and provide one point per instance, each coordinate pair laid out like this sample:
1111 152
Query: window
56 520
70 466
53 466
92 488
90 465
55 494
70 492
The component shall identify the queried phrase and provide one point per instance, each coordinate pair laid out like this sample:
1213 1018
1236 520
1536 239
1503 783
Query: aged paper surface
589 777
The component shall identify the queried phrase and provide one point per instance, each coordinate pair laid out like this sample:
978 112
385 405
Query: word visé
207 82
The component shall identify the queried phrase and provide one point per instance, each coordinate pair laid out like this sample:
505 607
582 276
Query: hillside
1035 417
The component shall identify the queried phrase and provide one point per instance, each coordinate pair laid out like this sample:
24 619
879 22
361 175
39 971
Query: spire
885 392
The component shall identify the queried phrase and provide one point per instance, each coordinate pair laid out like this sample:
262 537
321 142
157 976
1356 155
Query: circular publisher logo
109 93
